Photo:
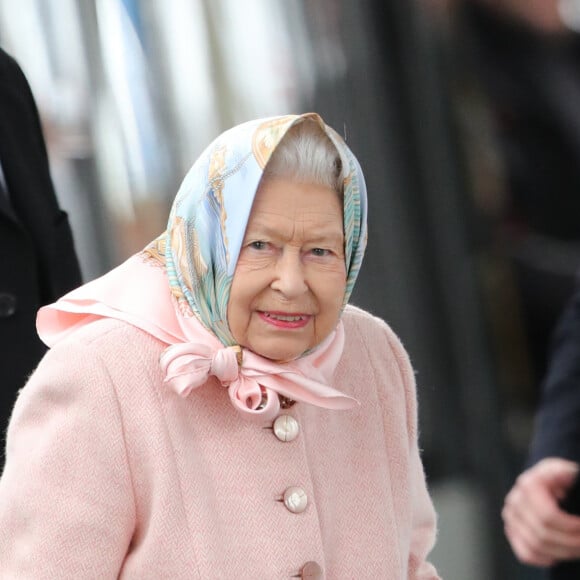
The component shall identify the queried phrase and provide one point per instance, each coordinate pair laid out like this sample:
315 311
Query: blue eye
319 251
258 245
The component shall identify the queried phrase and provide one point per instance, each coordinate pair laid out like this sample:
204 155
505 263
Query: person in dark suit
38 262
541 512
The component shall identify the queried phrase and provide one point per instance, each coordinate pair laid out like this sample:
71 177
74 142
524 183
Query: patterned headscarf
208 220
197 256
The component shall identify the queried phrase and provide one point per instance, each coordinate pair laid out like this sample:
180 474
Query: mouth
285 319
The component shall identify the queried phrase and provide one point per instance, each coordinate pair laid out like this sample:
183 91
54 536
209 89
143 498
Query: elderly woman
212 408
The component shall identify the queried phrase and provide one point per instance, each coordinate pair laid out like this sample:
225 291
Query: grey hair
307 155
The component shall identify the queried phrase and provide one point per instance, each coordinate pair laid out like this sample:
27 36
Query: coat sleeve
26 168
66 501
424 522
557 429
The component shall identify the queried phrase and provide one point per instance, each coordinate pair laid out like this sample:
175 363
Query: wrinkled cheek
336 309
236 323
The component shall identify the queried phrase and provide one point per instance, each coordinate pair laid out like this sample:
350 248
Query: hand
540 533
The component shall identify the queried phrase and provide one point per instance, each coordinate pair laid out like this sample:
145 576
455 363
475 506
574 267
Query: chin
279 354
280 357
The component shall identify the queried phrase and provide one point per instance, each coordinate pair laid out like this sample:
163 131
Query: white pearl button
312 571
295 500
286 428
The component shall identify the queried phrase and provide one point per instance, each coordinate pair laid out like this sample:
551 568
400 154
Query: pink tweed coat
110 474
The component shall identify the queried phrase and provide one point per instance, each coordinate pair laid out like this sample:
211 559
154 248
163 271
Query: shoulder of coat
110 334
355 316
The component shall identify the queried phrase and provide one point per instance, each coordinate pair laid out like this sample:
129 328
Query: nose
289 278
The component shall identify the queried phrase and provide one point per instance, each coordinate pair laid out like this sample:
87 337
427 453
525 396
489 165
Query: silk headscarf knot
254 381
188 365
177 289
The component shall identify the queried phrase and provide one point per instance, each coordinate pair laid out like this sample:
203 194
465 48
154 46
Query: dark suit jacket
557 431
37 257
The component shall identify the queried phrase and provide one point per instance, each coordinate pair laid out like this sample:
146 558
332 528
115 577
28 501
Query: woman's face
289 282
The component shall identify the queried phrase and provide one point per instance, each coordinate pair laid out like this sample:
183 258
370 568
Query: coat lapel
5 206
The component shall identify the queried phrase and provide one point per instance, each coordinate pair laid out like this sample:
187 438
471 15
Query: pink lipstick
285 319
